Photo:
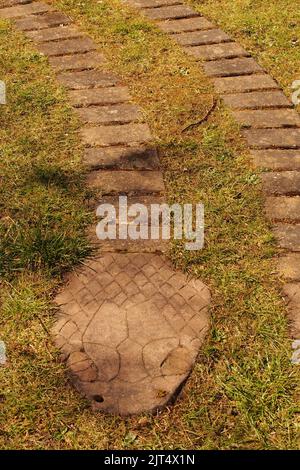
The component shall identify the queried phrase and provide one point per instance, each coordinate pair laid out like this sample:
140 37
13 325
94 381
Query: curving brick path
129 325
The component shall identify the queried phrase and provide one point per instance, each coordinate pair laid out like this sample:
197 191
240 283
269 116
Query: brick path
129 326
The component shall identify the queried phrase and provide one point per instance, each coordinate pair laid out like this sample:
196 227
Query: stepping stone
196 38
77 62
53 34
132 158
289 266
98 96
10 3
39 22
185 25
288 236
292 293
124 182
87 79
217 51
26 9
108 330
244 83
257 100
171 12
232 67
283 208
283 182
276 159
270 138
268 118
126 134
115 114
152 3
68 46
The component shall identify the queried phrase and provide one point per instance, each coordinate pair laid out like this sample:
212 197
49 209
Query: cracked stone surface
130 328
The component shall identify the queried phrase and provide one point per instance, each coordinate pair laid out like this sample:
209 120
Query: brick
68 46
51 19
288 236
77 62
87 79
133 158
276 159
292 293
232 67
118 114
283 208
289 266
217 51
53 34
10 3
152 3
268 118
26 9
126 182
105 136
257 100
244 83
196 38
282 183
268 138
185 24
164 13
98 96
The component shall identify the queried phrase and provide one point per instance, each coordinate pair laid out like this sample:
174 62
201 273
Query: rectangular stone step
10 3
268 118
185 24
98 96
123 158
114 114
276 159
257 100
54 34
232 67
244 83
170 12
129 246
23 10
126 182
289 266
77 61
291 291
152 3
87 79
67 46
196 38
272 138
288 236
39 22
281 183
126 134
283 208
217 51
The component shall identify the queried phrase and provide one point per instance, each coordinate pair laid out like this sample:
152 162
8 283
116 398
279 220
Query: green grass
242 393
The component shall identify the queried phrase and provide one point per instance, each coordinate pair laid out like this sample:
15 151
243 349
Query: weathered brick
68 46
268 118
185 24
127 134
217 51
244 83
52 34
288 236
289 266
281 183
77 61
152 3
283 208
270 138
132 158
164 13
196 38
98 96
292 293
126 182
277 159
86 79
23 10
232 67
10 3
32 22
118 114
257 100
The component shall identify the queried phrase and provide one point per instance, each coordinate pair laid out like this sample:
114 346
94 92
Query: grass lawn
242 393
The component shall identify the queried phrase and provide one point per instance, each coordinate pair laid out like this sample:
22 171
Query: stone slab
288 236
196 38
54 34
257 100
67 46
39 22
292 293
10 3
289 266
152 3
170 12
87 79
244 83
132 158
126 182
271 118
276 159
126 134
232 67
185 25
272 138
77 62
283 208
98 96
281 183
25 9
217 51
113 114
